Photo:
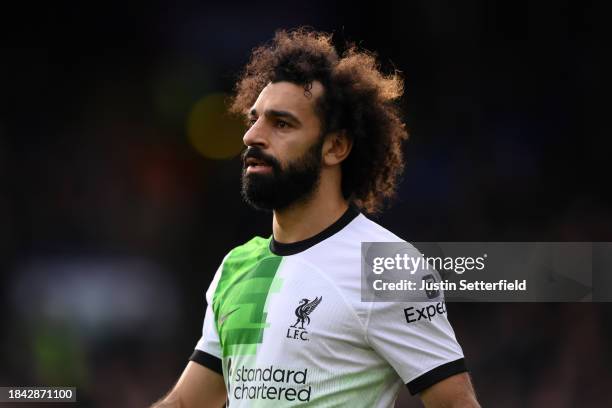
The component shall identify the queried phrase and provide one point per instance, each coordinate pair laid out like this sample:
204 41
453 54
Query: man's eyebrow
277 114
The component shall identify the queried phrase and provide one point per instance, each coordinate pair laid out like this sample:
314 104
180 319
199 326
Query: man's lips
254 165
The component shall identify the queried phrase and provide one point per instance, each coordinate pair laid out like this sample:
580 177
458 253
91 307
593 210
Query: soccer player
285 324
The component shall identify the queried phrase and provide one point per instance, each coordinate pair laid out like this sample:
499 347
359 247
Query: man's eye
282 124
251 122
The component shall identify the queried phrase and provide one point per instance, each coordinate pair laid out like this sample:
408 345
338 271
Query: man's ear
336 147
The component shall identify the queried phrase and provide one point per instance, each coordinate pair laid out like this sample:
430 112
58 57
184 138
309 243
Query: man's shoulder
344 247
254 244
241 262
254 249
363 229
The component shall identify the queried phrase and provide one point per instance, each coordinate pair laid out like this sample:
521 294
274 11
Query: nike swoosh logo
225 316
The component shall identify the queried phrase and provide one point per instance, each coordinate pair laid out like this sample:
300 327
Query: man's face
282 163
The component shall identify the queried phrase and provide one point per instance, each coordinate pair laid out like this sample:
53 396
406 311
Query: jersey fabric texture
285 326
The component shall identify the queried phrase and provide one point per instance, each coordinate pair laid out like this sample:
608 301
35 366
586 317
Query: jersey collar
279 248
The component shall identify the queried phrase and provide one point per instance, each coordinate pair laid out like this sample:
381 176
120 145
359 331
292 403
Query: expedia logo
425 313
302 312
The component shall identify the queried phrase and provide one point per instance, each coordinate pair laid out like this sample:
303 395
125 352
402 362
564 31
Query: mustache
255 152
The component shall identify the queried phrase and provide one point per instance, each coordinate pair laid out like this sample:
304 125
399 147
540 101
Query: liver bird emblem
304 310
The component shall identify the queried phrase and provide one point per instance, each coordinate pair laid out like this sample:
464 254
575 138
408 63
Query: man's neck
306 219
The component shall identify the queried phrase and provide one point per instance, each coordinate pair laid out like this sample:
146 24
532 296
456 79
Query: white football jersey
285 325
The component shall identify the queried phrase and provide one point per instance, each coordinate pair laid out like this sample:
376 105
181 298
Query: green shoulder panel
239 302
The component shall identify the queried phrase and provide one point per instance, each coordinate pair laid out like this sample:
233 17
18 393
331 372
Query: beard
283 186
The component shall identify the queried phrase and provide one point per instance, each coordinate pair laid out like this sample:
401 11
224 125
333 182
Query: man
285 324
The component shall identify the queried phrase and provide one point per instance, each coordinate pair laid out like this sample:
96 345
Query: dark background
113 217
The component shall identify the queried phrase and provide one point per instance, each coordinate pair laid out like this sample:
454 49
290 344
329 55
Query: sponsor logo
428 312
269 383
302 312
225 316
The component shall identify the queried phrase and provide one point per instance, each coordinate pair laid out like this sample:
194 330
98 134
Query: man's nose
255 135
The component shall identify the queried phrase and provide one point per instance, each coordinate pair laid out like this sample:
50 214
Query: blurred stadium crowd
121 180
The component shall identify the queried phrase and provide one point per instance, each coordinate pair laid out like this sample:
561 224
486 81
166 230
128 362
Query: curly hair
358 99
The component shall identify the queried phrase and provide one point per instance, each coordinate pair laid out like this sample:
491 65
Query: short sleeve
417 340
208 350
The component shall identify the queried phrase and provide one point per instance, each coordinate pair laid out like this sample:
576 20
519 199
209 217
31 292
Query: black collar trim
278 248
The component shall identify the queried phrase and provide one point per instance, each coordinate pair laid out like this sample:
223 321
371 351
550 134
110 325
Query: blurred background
120 179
